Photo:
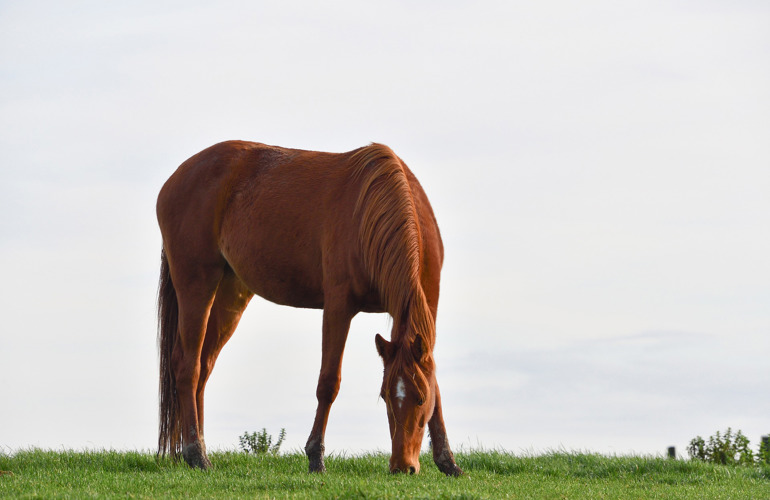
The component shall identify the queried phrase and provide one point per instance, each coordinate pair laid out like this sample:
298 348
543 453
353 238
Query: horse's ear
418 348
384 348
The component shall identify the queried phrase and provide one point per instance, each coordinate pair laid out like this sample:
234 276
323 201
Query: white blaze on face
400 391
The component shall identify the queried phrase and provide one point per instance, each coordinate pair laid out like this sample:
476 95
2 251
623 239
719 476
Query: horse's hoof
315 454
195 456
317 465
450 469
445 461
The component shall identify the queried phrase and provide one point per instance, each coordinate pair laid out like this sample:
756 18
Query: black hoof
450 469
446 464
195 456
317 466
315 455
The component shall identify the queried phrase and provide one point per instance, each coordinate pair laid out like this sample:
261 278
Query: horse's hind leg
196 287
231 300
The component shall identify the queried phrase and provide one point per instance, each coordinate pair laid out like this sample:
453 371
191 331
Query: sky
599 170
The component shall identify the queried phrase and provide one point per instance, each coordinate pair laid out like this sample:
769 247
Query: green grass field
110 474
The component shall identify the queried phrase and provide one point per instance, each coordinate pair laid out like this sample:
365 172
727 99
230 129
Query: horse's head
408 388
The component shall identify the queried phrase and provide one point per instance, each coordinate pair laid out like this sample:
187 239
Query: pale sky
599 170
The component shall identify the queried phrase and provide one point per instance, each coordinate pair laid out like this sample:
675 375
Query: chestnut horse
345 233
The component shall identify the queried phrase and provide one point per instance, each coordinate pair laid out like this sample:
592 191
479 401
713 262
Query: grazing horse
346 233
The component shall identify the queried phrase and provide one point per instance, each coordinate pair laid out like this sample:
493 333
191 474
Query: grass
489 474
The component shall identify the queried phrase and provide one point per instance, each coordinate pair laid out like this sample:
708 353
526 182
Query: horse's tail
170 433
390 239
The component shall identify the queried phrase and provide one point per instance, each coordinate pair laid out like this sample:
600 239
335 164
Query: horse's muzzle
411 469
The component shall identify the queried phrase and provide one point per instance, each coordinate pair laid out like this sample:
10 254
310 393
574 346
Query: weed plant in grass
489 474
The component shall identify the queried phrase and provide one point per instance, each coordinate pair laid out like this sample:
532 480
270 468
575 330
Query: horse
343 232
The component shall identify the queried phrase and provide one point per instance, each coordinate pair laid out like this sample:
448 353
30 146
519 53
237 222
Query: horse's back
246 180
288 224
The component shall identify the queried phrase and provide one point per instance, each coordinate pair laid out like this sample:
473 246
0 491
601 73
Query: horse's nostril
412 470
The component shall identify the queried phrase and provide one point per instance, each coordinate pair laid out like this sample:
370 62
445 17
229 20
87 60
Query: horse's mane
391 246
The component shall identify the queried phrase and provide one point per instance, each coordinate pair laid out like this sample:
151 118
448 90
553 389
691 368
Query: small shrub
764 450
697 449
260 443
727 449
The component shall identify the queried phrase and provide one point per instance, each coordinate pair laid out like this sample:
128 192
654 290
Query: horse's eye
420 402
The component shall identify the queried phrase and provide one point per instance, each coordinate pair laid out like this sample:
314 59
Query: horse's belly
284 274
274 228
288 289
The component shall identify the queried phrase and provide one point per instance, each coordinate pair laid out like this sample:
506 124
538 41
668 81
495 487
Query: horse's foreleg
442 454
231 300
336 322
